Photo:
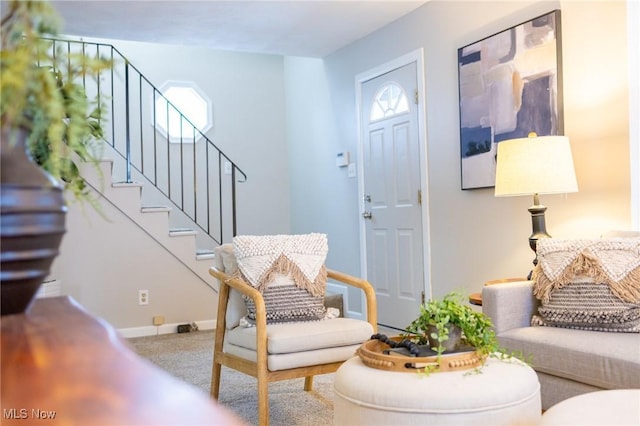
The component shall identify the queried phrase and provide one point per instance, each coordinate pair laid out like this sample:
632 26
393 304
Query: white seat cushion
602 359
296 359
304 336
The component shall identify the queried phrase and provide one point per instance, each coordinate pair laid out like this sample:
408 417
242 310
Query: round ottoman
602 408
504 393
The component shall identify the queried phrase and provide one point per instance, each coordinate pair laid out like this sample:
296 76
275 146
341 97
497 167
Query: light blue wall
248 96
324 196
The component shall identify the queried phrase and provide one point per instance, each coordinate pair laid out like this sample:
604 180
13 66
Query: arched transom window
390 100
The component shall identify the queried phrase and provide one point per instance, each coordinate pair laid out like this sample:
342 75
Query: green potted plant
44 111
448 324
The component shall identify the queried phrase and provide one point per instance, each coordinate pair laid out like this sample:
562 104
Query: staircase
153 220
182 195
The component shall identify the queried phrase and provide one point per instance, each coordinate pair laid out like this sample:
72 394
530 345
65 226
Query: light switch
351 170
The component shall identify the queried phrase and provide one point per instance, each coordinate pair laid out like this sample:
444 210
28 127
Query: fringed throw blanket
300 256
288 270
588 284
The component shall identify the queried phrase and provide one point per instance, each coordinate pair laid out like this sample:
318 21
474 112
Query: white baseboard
152 330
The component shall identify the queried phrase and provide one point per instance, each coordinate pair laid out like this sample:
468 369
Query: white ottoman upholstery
603 408
505 393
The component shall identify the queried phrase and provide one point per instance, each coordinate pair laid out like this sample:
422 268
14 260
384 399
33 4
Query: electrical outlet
143 297
158 320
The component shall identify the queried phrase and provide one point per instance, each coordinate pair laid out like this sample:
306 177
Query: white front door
392 194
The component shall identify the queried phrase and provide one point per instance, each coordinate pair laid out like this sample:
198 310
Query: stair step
204 254
152 209
176 232
126 184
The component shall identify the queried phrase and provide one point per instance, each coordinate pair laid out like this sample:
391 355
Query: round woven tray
372 355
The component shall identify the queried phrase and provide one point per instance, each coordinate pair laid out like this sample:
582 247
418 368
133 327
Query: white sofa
568 362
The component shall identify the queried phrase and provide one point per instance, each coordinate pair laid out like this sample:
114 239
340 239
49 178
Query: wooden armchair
282 351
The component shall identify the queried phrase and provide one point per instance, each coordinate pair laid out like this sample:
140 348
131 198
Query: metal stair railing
191 173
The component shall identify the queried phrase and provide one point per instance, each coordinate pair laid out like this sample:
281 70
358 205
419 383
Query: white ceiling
293 28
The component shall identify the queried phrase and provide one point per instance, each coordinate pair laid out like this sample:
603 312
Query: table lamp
533 166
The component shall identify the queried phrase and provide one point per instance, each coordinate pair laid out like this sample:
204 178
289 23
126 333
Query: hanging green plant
43 93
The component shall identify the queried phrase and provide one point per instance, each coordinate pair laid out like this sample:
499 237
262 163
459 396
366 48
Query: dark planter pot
32 223
449 345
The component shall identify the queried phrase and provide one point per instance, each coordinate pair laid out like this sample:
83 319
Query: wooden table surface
476 298
62 366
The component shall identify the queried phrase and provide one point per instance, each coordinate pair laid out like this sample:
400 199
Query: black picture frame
510 84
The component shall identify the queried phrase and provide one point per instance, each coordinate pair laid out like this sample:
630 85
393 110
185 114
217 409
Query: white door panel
391 181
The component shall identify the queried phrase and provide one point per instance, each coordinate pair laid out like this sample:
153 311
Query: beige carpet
188 356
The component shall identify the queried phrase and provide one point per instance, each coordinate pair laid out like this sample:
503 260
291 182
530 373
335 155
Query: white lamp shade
535 165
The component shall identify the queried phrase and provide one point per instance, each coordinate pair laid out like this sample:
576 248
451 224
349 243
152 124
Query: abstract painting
509 86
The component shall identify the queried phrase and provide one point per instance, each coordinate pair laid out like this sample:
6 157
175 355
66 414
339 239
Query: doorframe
416 56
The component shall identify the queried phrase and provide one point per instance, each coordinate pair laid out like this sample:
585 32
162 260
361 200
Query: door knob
366 215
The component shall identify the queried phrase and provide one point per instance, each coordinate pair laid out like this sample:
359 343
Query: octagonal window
183 107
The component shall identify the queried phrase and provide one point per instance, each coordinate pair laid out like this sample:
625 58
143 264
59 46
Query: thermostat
342 160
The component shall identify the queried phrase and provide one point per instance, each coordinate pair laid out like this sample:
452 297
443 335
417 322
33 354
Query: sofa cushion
278 362
588 306
589 284
304 336
605 360
225 261
286 302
